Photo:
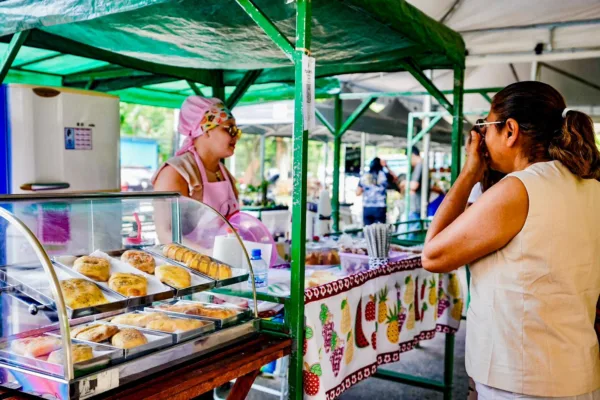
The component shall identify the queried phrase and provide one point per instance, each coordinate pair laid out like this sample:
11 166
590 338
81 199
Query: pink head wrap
198 115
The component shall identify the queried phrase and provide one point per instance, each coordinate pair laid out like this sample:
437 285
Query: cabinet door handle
35 187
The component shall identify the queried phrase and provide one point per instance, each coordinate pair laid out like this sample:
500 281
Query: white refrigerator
58 137
56 140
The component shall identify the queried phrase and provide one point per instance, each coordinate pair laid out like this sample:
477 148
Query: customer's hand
475 164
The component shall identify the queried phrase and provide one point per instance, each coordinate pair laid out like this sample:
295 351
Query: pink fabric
197 115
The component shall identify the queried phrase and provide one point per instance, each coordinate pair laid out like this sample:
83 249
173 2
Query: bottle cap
256 253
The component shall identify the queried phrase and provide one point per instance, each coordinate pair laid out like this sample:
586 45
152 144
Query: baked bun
129 285
80 293
173 276
95 333
174 325
140 319
95 268
139 260
128 338
81 352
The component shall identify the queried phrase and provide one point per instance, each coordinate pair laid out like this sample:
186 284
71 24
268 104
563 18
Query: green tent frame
444 50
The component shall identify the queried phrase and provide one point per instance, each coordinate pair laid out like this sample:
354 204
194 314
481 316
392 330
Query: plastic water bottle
260 268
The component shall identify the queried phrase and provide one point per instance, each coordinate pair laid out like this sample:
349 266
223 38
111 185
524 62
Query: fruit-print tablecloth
368 319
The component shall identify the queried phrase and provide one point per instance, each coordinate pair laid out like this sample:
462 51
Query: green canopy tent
238 43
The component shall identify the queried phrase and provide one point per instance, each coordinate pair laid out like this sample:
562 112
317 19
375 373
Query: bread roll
81 352
224 272
140 260
174 276
80 293
95 333
174 325
35 346
128 338
95 268
208 310
140 319
129 285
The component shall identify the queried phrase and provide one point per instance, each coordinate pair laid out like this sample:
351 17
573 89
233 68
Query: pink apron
221 197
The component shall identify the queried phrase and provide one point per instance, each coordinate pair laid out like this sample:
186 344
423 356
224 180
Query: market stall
121 40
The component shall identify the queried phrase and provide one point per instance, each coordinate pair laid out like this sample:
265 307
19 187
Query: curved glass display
71 264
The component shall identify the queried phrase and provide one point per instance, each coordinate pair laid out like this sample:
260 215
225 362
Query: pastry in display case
95 311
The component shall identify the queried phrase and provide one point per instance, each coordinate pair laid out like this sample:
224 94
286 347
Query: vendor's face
223 139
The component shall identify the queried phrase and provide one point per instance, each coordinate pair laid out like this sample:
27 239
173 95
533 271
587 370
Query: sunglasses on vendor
480 126
232 130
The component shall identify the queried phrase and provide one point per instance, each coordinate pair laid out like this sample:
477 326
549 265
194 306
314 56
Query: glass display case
99 290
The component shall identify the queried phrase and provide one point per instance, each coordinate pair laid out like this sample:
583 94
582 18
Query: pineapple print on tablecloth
393 328
457 308
453 286
382 311
433 297
346 317
409 291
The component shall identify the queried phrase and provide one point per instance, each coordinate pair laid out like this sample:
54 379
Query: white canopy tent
513 40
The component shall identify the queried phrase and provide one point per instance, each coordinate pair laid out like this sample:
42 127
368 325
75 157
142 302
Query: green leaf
316 369
333 340
344 303
309 333
407 280
424 306
324 313
349 336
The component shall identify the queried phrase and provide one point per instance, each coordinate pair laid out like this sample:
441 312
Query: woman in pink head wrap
196 170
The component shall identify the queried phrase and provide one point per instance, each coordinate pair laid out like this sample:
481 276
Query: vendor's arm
457 237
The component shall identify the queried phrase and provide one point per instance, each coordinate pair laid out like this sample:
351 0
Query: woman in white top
533 244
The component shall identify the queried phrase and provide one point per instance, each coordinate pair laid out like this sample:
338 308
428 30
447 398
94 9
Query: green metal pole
269 27
218 88
337 145
457 123
357 113
324 121
420 76
248 80
11 53
427 129
300 163
195 88
487 97
409 137
448 364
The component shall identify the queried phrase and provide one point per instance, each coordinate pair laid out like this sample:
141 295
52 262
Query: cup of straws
378 244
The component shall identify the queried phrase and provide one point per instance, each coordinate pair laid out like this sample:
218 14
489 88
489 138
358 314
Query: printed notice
100 383
78 138
308 88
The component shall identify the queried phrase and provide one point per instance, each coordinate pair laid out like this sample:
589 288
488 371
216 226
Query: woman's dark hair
538 109
375 166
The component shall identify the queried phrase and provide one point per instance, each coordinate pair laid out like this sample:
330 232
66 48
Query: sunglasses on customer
480 126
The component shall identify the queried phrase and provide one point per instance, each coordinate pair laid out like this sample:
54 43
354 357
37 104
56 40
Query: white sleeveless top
530 325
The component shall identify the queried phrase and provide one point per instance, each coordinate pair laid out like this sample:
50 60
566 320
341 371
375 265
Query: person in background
532 242
414 187
373 186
